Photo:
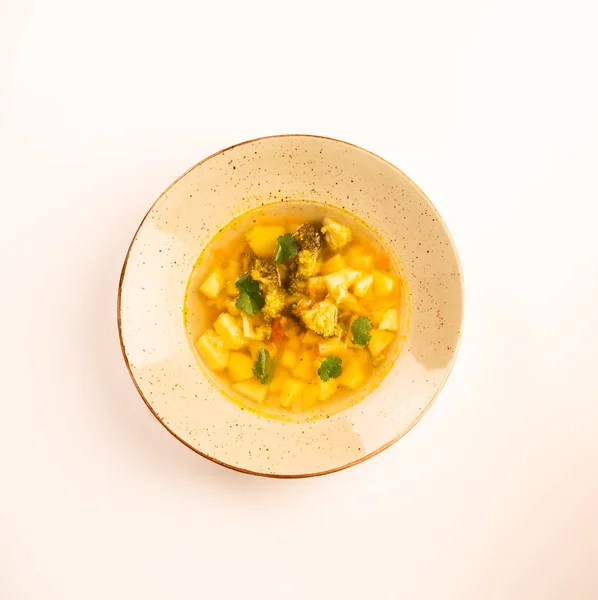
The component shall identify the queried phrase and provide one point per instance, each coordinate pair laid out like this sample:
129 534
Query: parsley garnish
263 367
286 247
330 368
249 299
360 329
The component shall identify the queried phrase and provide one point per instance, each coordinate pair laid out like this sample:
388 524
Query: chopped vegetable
251 389
362 286
379 341
331 346
336 263
354 374
322 318
249 299
330 368
343 278
288 358
265 272
390 320
291 392
212 351
253 330
383 284
337 236
286 248
360 330
213 284
327 389
277 332
263 368
310 396
262 239
229 329
240 366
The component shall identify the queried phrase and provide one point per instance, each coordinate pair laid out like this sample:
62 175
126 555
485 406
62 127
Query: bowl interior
193 210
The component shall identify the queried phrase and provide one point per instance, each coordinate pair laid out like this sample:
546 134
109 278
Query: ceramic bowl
185 218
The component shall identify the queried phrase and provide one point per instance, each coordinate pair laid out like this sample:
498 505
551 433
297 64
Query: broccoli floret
337 236
265 273
321 318
307 264
309 237
308 260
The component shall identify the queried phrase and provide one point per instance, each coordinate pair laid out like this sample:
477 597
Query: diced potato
351 304
310 397
332 346
361 262
380 340
336 263
363 285
231 289
305 368
328 389
291 392
231 306
240 366
288 359
311 339
228 328
262 239
316 286
293 343
390 320
383 284
354 374
343 278
212 286
339 294
280 376
212 351
252 389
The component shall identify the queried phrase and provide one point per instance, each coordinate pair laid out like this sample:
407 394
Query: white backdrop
491 107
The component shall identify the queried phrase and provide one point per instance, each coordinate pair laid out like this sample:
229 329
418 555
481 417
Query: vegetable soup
296 309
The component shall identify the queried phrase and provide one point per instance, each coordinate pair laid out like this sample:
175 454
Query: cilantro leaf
360 329
263 367
286 247
249 299
330 368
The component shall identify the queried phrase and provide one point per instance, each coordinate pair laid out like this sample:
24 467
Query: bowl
193 209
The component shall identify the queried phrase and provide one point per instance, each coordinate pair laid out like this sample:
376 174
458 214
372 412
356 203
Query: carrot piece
277 332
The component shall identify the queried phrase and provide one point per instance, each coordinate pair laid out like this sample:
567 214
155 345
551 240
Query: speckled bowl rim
449 367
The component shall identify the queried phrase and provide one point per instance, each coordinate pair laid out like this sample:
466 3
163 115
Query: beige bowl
186 217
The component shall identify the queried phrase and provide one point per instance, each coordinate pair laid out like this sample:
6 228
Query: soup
296 309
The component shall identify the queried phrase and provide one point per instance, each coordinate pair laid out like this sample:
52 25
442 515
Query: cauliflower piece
337 236
321 318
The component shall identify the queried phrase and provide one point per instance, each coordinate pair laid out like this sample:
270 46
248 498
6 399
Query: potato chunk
380 340
240 366
228 328
383 284
213 285
390 320
291 392
328 389
212 351
252 389
262 239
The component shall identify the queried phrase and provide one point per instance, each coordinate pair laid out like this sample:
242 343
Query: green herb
330 368
286 247
263 367
360 329
249 299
